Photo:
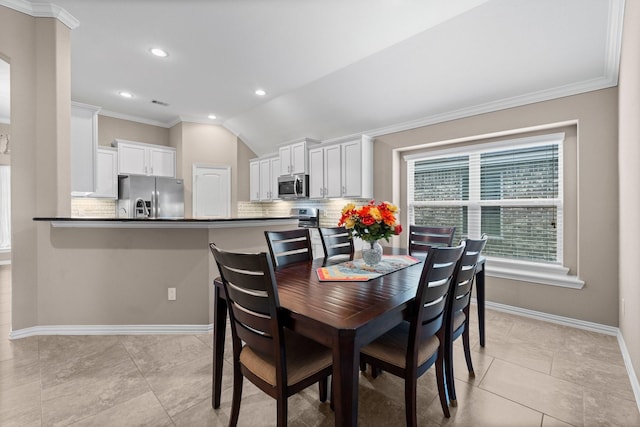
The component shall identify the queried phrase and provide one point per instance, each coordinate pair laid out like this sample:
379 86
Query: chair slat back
288 247
434 286
465 273
250 289
336 241
422 238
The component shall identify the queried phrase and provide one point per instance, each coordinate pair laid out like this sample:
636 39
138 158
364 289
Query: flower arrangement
371 222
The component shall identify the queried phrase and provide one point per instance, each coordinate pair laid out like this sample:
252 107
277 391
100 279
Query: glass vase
372 253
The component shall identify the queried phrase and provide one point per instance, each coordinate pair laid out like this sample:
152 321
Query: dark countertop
86 222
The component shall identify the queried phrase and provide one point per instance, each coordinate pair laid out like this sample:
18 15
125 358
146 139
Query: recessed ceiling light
211 116
159 52
125 94
260 92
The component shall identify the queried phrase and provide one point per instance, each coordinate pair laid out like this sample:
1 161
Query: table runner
358 271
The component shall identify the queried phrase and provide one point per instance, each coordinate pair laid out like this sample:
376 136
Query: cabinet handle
151 170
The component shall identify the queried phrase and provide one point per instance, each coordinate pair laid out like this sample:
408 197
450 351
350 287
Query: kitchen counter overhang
85 222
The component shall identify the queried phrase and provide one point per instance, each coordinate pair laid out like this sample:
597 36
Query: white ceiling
333 68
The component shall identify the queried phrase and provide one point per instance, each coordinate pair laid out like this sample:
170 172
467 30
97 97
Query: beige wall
38 51
110 128
205 145
594 243
244 155
629 175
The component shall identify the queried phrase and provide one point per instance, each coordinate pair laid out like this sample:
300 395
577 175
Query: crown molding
42 10
137 119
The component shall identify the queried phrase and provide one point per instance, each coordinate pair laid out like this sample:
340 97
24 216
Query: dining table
342 315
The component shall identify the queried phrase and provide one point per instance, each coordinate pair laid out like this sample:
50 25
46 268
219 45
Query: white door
211 191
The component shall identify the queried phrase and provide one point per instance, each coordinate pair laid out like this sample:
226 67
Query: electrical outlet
171 294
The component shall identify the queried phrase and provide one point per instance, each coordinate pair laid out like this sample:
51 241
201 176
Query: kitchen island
111 275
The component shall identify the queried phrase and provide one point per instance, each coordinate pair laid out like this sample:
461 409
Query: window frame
548 273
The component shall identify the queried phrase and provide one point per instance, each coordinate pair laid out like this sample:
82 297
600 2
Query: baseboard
552 318
635 385
580 324
110 330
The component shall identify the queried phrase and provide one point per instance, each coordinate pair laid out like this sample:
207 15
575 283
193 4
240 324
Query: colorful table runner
358 271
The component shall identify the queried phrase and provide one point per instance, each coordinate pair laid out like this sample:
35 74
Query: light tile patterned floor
530 373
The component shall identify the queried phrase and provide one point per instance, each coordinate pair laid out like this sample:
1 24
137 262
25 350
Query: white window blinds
511 191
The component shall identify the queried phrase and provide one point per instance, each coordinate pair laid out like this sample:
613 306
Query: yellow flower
392 208
348 207
375 214
349 223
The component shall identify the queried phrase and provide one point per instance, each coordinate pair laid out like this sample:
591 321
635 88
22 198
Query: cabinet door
132 159
275 173
107 174
265 179
285 160
332 165
254 181
316 173
84 131
299 157
162 162
352 169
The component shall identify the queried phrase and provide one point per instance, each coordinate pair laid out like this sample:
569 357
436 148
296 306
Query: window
509 190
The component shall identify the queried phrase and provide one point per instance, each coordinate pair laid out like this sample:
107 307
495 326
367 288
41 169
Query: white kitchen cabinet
106 173
294 157
84 141
263 181
254 180
324 172
342 170
136 158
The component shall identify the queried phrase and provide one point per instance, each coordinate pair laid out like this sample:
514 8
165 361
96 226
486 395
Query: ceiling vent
155 101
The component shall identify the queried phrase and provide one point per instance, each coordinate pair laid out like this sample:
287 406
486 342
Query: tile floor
530 373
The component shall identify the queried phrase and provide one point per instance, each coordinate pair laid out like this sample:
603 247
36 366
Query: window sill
545 274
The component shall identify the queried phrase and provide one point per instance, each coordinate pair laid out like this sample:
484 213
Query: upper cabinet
84 141
263 181
342 170
107 173
136 158
293 157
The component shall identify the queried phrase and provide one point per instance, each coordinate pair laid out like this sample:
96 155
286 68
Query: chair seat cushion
304 356
392 347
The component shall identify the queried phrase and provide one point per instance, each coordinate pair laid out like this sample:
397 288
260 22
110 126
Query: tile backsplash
93 208
329 209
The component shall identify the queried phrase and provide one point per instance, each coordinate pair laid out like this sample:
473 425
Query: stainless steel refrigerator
150 197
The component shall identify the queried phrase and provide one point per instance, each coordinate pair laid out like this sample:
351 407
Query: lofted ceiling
334 68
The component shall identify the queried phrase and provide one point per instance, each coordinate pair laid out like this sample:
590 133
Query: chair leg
467 351
282 410
363 366
375 371
322 389
237 397
448 372
442 392
410 396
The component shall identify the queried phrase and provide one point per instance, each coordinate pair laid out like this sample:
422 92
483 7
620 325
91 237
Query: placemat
358 271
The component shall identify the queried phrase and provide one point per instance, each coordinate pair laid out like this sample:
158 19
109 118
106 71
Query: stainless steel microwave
293 186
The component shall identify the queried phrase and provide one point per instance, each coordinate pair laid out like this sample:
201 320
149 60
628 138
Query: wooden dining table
344 316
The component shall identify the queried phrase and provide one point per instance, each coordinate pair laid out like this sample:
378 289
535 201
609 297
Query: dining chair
457 311
290 246
336 241
421 238
411 348
277 360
